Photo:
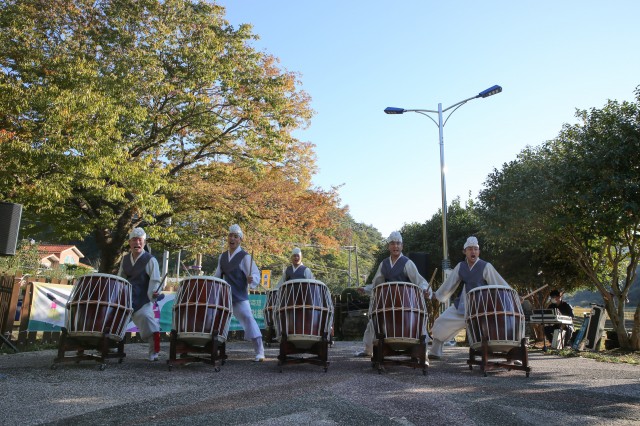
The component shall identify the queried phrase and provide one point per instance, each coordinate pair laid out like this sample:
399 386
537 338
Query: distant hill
585 297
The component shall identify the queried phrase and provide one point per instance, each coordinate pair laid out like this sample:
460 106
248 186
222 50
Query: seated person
563 309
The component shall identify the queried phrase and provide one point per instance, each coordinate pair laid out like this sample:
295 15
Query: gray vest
397 272
471 278
233 275
137 275
297 275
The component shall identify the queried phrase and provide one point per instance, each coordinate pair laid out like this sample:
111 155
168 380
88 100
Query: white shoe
450 343
517 362
362 354
259 358
153 356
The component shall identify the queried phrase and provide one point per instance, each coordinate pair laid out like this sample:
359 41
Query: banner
49 301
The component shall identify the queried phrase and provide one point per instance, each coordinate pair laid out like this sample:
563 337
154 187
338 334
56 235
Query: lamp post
446 267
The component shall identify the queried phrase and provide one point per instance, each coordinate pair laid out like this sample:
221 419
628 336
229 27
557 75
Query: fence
9 296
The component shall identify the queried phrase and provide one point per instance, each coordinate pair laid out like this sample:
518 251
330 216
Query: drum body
495 312
99 304
202 306
303 311
269 307
399 313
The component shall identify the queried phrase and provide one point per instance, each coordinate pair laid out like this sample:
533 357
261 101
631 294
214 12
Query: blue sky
357 57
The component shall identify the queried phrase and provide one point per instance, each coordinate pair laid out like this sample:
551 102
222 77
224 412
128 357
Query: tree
514 218
336 265
120 113
578 197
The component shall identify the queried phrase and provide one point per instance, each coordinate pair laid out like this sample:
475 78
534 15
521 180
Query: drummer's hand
250 280
360 290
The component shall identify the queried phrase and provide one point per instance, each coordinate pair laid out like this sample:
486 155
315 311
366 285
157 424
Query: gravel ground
567 391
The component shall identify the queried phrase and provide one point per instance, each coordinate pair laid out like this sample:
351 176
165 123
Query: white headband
394 236
235 229
137 233
471 242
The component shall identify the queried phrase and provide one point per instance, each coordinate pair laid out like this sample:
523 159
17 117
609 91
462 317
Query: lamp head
393 110
493 90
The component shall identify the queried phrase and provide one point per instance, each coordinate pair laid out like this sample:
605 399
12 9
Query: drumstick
535 291
432 277
251 265
185 268
161 286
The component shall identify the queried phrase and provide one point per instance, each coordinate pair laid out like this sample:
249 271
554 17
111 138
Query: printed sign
266 278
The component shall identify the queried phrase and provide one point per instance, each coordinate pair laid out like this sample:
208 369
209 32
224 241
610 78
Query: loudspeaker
596 327
10 215
421 260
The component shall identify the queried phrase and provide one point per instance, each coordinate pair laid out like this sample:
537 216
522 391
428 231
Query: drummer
397 267
238 269
141 269
471 272
296 271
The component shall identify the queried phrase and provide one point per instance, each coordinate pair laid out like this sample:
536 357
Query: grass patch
616 356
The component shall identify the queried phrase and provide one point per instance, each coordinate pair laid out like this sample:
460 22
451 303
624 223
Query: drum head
98 276
203 278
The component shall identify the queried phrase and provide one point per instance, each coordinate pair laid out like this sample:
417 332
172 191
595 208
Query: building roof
47 249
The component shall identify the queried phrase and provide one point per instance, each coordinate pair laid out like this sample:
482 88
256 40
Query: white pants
368 337
445 328
147 324
242 312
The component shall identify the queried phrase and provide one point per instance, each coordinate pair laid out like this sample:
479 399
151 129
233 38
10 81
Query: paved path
567 391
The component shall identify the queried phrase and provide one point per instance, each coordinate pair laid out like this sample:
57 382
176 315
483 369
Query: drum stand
416 353
79 344
516 354
214 351
320 349
270 335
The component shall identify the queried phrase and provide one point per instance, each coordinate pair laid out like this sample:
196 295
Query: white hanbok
452 320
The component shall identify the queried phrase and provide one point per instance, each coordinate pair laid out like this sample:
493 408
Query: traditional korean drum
99 304
303 312
269 307
202 306
495 312
398 312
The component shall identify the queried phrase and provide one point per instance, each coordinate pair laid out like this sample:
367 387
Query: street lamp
446 266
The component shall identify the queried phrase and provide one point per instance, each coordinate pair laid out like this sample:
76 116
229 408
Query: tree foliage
576 201
117 113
